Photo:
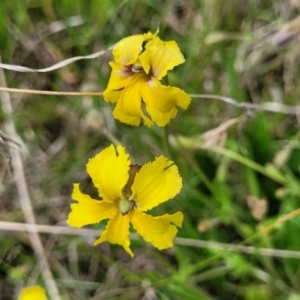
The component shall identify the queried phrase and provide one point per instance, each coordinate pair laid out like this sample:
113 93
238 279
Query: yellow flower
34 292
127 192
140 62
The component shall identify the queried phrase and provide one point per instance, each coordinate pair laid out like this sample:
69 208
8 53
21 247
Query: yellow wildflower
127 192
34 292
140 63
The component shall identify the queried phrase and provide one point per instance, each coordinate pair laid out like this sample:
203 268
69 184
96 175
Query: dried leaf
258 207
218 135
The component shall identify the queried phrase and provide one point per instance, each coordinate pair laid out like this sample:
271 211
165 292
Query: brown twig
49 93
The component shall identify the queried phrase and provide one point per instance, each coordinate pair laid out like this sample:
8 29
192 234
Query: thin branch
14 226
50 93
59 65
22 189
268 106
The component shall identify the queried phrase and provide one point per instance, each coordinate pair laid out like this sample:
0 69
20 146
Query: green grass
259 155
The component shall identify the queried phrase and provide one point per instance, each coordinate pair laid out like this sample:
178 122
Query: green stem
191 161
269 228
166 144
202 264
249 163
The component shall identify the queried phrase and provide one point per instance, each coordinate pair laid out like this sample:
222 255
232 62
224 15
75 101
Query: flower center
126 203
126 206
137 67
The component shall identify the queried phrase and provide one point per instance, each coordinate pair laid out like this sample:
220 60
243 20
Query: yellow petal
116 232
157 230
111 96
149 35
34 292
87 210
145 60
162 97
119 114
161 101
109 172
146 55
119 78
131 98
128 109
156 183
162 56
128 49
161 118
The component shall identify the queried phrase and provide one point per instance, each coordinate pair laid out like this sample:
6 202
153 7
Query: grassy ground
239 179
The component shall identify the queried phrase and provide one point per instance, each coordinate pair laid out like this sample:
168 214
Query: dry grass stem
22 189
14 226
55 66
268 106
273 107
51 93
